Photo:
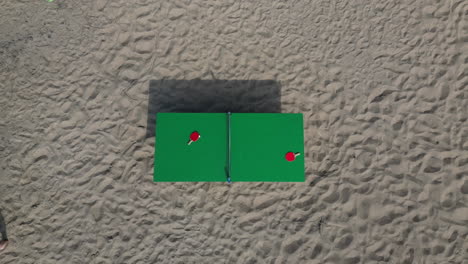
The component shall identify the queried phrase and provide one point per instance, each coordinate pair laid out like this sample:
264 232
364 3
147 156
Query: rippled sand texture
382 85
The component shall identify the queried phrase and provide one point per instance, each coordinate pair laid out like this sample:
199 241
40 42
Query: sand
382 85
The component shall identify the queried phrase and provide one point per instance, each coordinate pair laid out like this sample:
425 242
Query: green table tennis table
237 147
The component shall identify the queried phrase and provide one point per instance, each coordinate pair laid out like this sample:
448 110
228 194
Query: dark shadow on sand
3 230
211 96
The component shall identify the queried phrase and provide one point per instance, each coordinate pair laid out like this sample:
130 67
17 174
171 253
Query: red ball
194 136
290 156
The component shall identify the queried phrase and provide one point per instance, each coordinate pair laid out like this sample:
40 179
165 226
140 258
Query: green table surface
203 160
259 143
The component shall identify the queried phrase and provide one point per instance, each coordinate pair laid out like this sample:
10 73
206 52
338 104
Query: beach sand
382 86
